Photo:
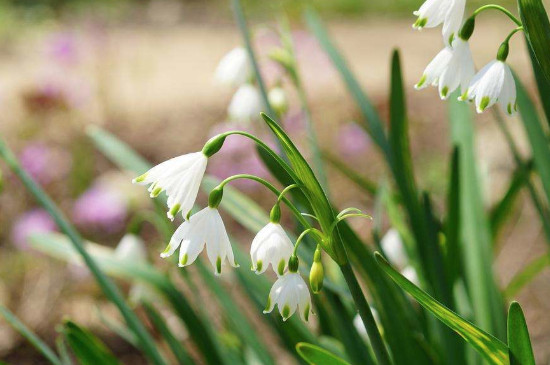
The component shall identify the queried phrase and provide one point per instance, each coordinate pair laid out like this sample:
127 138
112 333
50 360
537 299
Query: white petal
270 246
246 104
507 98
433 13
453 20
489 86
435 68
131 247
176 239
234 69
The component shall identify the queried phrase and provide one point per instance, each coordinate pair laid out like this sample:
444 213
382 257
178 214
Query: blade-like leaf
88 349
537 31
29 335
316 355
527 274
521 352
491 348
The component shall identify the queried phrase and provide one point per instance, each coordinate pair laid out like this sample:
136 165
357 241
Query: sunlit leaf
316 355
537 31
521 352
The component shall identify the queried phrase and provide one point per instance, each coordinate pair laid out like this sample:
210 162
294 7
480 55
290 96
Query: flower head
393 248
451 68
234 69
271 246
493 83
32 222
100 208
290 292
245 105
180 177
434 12
132 248
203 228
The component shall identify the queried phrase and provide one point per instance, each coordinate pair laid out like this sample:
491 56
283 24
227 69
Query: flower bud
215 197
503 51
213 145
282 57
317 273
277 100
467 29
293 263
275 215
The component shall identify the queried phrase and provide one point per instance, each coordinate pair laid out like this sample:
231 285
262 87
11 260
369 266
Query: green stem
500 8
512 33
286 190
275 191
110 290
315 231
375 338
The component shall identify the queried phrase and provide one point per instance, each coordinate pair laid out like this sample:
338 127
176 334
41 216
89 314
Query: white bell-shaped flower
290 293
234 68
410 273
278 100
493 83
271 246
132 248
203 228
393 248
451 68
245 105
434 12
180 177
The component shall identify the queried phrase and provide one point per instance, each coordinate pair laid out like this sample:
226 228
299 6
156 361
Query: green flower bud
503 51
468 28
215 197
317 273
293 263
275 215
213 145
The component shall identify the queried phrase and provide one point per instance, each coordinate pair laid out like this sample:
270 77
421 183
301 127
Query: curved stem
286 190
275 191
315 231
512 33
500 8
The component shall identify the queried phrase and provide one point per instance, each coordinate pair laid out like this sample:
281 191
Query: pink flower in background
45 164
352 140
100 209
62 48
31 222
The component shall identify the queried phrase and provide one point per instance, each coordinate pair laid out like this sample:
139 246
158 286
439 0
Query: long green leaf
88 349
537 31
543 84
491 348
521 352
526 275
29 335
316 355
109 288
368 186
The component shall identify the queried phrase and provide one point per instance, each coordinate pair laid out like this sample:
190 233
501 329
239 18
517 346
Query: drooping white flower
451 68
180 177
393 248
245 105
493 83
410 273
271 246
203 228
434 12
290 293
132 248
234 68
278 100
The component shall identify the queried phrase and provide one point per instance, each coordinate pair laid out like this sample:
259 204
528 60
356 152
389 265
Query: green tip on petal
444 92
165 252
306 312
281 267
156 192
464 96
175 209
484 103
140 178
286 312
509 108
219 265
183 260
268 305
259 265
420 83
420 23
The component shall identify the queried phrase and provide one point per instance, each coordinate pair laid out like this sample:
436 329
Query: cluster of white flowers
180 178
453 67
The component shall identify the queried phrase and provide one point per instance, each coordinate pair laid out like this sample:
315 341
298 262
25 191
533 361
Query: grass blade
87 348
316 355
526 275
29 335
521 352
537 31
491 348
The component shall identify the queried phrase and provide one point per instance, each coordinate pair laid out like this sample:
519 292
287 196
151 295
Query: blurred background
145 72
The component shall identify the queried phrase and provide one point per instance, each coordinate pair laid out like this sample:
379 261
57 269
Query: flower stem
315 231
365 313
500 8
512 33
286 190
108 287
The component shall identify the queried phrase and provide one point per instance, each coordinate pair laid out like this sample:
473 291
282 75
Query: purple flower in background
45 164
31 222
62 48
352 140
100 209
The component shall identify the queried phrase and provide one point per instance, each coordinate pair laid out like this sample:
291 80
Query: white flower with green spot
234 68
451 68
204 228
290 293
180 177
493 83
271 246
435 12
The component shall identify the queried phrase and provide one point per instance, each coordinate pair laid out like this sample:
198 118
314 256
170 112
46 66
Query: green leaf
316 355
536 135
521 352
543 84
363 183
88 349
491 348
29 335
526 275
452 222
537 31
